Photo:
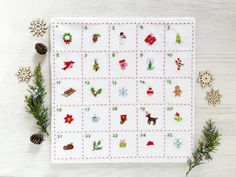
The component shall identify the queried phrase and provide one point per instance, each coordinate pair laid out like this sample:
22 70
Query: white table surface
215 50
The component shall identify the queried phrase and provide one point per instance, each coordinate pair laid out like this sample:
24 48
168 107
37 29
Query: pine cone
41 48
37 138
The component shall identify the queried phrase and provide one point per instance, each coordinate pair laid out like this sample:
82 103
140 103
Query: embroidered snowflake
24 74
178 143
205 78
38 27
213 97
123 92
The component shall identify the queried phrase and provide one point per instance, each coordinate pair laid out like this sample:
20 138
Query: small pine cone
37 138
41 48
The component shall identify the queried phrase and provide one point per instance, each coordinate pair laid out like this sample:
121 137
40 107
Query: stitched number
87 82
115 135
141 55
169 81
169 108
142 81
114 109
58 82
170 135
114 82
85 55
87 109
142 108
113 28
113 55
59 109
59 136
87 135
142 135
57 55
169 54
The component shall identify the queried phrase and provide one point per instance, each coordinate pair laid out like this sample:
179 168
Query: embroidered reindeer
151 119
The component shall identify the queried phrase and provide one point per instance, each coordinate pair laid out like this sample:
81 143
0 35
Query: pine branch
35 101
207 145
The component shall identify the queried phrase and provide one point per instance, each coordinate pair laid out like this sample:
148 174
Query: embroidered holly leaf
94 145
99 148
92 90
178 38
99 91
99 142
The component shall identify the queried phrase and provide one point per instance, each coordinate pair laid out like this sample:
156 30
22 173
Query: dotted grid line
140 104
120 131
137 89
109 87
130 157
115 78
82 90
125 23
164 91
192 83
118 51
54 94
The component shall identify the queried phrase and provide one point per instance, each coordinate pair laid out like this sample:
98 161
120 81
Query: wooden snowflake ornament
205 79
24 74
38 27
213 97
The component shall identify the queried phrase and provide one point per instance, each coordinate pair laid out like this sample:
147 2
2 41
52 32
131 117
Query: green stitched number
58 82
87 135
142 108
169 108
113 27
59 109
114 82
87 109
142 81
169 135
113 55
115 135
142 135
87 82
59 136
57 55
114 108
141 55
169 81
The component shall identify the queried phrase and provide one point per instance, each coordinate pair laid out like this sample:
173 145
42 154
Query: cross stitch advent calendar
122 89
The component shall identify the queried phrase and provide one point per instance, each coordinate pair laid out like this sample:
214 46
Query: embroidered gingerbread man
177 91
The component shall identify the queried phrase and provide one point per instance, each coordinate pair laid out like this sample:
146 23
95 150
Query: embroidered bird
68 64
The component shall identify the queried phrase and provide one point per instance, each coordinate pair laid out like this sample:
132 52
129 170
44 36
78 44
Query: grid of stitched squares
121 78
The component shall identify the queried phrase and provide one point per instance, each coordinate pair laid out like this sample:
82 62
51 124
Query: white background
215 50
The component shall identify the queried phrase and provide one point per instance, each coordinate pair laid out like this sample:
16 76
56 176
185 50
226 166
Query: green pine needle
207 145
35 100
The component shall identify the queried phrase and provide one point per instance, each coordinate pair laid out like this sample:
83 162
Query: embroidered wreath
67 37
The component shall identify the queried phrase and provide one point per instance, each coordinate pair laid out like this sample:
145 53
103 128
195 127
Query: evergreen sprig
35 101
207 145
